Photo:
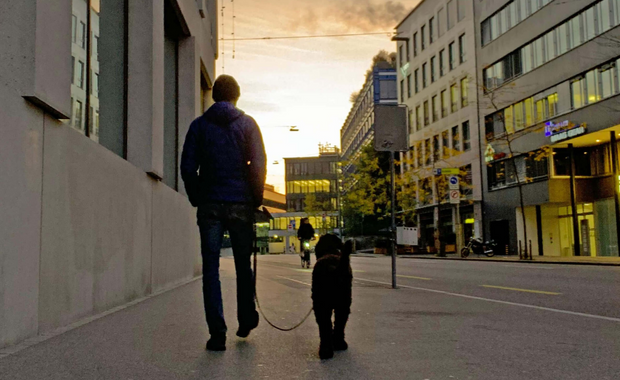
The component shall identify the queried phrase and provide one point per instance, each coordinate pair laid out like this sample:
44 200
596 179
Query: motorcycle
476 246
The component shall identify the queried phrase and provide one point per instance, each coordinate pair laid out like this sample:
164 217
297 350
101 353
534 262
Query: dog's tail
345 257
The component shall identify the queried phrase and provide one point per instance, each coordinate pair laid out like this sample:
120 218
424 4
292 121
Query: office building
437 81
550 105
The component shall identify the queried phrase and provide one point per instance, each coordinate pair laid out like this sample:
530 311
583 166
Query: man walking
223 166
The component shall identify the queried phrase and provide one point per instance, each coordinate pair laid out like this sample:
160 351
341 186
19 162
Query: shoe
216 344
339 343
244 330
326 351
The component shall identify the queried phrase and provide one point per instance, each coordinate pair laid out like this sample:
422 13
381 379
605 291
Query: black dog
331 292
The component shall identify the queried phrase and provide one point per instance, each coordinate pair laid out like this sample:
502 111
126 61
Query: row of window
454 12
590 161
361 130
299 205
311 186
77 118
439 104
518 170
591 87
77 76
431 151
579 29
433 66
520 115
595 85
318 222
508 17
311 168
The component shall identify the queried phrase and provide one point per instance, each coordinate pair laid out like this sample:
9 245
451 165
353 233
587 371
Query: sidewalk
579 260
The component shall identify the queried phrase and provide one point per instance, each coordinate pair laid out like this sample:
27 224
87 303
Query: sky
304 82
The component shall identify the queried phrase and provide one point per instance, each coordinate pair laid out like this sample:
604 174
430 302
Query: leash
256 294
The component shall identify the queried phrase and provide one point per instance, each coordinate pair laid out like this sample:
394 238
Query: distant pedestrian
223 166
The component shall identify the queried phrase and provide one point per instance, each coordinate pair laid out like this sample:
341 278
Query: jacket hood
223 113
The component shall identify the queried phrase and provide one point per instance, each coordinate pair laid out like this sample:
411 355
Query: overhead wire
307 36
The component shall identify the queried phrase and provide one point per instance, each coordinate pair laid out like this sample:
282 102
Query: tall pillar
145 87
614 167
573 201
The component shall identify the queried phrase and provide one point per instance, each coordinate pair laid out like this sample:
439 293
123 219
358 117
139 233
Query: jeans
238 220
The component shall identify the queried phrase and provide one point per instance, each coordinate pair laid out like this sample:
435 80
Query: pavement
448 319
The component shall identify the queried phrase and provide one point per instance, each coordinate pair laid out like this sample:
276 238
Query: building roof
410 13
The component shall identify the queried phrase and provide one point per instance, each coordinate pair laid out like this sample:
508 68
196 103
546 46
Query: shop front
581 216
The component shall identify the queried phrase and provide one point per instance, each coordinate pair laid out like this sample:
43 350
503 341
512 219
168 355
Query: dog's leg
341 318
324 320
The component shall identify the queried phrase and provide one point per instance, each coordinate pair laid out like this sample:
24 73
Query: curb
512 261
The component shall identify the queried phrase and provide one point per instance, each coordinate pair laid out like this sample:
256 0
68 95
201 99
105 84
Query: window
589 161
431 30
607 80
462 48
454 98
82 36
435 106
461 9
451 55
407 50
402 91
552 103
433 59
78 115
509 122
427 152
441 14
445 144
444 103
426 118
436 150
415 44
518 115
416 80
541 110
74 28
418 118
466 137
400 56
451 13
518 170
442 60
577 92
464 92
550 52
80 74
72 70
456 139
423 37
96 85
424 83
409 86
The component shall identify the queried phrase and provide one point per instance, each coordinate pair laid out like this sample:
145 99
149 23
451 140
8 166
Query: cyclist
305 233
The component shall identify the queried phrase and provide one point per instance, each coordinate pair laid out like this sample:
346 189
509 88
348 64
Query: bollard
506 249
530 258
520 251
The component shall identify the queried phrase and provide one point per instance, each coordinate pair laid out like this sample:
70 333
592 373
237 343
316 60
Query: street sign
447 171
291 225
455 197
391 128
453 182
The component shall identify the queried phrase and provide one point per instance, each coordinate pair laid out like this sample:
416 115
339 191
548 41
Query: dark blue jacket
224 158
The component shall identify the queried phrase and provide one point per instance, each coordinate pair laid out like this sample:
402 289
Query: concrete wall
84 230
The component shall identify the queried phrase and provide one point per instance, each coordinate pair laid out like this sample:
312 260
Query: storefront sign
564 130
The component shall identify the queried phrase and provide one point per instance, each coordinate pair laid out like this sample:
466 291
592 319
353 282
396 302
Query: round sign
454 180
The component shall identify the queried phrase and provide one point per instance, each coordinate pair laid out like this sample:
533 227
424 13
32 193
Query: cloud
352 16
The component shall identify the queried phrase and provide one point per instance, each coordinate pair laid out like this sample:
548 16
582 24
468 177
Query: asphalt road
448 320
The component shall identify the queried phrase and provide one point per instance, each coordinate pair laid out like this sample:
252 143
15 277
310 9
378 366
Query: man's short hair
226 89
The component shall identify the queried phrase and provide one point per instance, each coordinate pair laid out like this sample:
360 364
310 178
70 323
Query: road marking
525 266
575 313
290 279
521 290
414 277
303 270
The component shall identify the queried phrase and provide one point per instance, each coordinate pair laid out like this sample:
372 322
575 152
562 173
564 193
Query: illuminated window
454 95
464 92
